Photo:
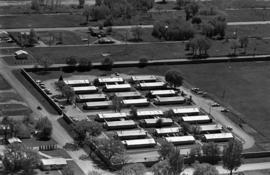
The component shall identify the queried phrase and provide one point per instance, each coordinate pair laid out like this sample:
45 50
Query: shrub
143 62
107 64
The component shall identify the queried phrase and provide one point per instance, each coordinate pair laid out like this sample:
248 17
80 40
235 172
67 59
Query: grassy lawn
15 109
4 85
6 96
249 30
248 15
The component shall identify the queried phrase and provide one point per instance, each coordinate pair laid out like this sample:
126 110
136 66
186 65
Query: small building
97 105
155 122
211 128
143 78
197 119
91 97
123 124
40 145
167 131
136 102
163 93
169 100
77 82
131 134
21 55
149 113
139 143
53 164
109 80
218 137
180 140
85 89
186 111
127 95
14 140
152 85
116 87
111 116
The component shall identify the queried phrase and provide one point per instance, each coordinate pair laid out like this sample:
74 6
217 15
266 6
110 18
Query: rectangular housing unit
139 143
186 111
85 89
163 93
197 119
123 124
116 87
180 140
91 97
219 137
136 102
109 80
131 134
134 94
155 122
111 116
212 128
169 100
77 82
98 105
149 113
152 85
167 131
144 78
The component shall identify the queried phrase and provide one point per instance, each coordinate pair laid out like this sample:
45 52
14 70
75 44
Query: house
111 116
77 82
97 105
109 80
210 128
131 134
163 93
21 55
128 95
169 100
139 143
14 140
85 89
167 131
180 140
152 85
53 164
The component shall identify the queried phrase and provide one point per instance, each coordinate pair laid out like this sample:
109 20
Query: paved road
59 133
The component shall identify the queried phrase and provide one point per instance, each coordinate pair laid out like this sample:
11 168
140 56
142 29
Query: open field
248 15
4 85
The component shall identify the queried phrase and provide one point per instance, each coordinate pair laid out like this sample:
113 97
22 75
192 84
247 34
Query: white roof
19 52
163 92
14 140
128 94
84 88
121 123
137 132
170 99
180 138
110 79
74 82
149 113
117 86
196 118
218 136
185 110
54 161
152 84
113 115
99 103
167 130
211 127
135 101
139 142
91 96
154 120
143 77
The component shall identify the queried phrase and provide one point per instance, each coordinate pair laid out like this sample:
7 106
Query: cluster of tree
107 63
18 158
133 169
199 45
215 27
239 43
66 91
174 78
44 128
109 10
28 40
173 29
47 4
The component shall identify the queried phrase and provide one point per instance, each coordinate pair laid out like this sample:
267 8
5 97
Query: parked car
62 107
224 110
105 41
215 105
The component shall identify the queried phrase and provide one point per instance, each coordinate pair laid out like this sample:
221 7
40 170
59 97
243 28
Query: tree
161 168
17 158
195 153
81 3
117 103
69 93
35 5
244 42
200 45
99 12
143 62
45 63
71 61
174 78
137 33
196 20
234 46
32 37
133 169
211 152
110 147
133 111
86 13
22 131
176 161
232 158
191 10
181 3
107 63
84 127
165 149
205 169
44 127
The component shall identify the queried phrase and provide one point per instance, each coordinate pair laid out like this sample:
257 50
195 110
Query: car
195 89
55 100
38 81
229 128
105 41
215 105
62 107
225 110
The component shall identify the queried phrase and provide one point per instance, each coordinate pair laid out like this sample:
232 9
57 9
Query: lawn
14 109
248 15
7 96
249 30
4 85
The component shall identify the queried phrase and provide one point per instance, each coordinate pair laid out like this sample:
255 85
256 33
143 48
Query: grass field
6 96
4 85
